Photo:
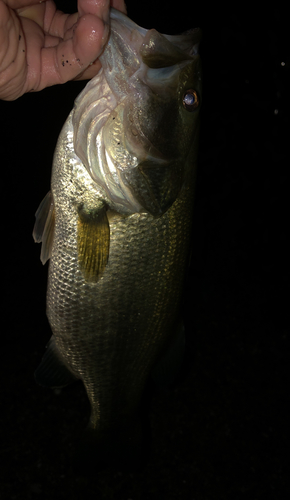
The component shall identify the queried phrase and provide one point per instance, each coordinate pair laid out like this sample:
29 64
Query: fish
116 226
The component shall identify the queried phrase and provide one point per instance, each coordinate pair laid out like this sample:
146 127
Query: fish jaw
129 121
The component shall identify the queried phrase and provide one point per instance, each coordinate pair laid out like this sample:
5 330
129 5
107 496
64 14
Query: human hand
41 46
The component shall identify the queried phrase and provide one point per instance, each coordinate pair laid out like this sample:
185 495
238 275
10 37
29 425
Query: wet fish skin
117 223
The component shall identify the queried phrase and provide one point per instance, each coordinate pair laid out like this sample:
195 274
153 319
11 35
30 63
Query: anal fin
52 371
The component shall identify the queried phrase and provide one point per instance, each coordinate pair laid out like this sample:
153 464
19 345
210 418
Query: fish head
135 122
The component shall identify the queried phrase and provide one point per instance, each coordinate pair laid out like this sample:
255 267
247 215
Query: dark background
222 431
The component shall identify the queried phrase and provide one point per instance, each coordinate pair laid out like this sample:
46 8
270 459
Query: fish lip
194 34
187 41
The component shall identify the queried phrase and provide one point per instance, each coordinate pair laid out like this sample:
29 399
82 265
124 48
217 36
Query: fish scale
116 270
143 250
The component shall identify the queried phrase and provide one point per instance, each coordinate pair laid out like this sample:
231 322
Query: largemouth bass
116 224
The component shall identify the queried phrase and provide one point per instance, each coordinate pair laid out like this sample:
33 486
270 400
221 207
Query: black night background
222 431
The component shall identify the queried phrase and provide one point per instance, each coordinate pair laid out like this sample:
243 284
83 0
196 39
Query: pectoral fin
93 241
44 226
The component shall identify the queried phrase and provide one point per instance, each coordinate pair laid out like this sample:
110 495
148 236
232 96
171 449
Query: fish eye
190 100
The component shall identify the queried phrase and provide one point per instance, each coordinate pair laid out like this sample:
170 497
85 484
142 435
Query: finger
12 55
33 12
89 45
91 71
51 41
19 4
98 8
72 56
119 5
94 67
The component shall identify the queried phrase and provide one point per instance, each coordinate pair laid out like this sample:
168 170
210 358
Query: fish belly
110 333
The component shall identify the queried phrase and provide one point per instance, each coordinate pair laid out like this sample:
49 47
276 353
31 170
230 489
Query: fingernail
106 15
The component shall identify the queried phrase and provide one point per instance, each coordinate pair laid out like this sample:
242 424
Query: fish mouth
132 50
155 52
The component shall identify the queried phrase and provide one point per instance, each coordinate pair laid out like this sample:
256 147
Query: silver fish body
116 225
